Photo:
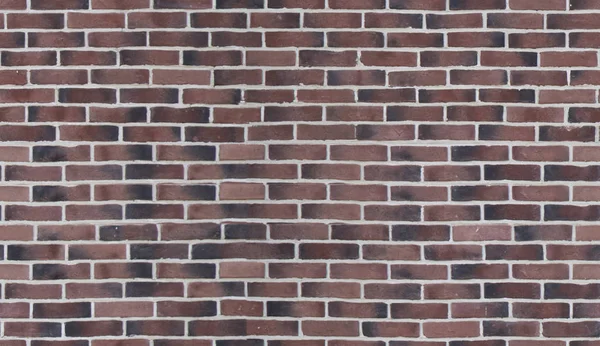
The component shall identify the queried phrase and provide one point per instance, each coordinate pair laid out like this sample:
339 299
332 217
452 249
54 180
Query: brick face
299 172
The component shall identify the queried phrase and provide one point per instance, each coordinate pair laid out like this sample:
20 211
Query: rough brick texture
299 172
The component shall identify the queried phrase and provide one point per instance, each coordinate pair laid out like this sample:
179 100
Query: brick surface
299 172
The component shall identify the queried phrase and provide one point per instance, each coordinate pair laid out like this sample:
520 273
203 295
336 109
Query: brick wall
299 172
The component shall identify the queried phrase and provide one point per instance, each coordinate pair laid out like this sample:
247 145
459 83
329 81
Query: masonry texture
299 173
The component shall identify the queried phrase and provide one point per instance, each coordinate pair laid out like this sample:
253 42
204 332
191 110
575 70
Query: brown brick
123 309
398 252
50 39
479 310
117 39
516 20
451 329
416 40
79 20
35 21
442 21
233 307
330 328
